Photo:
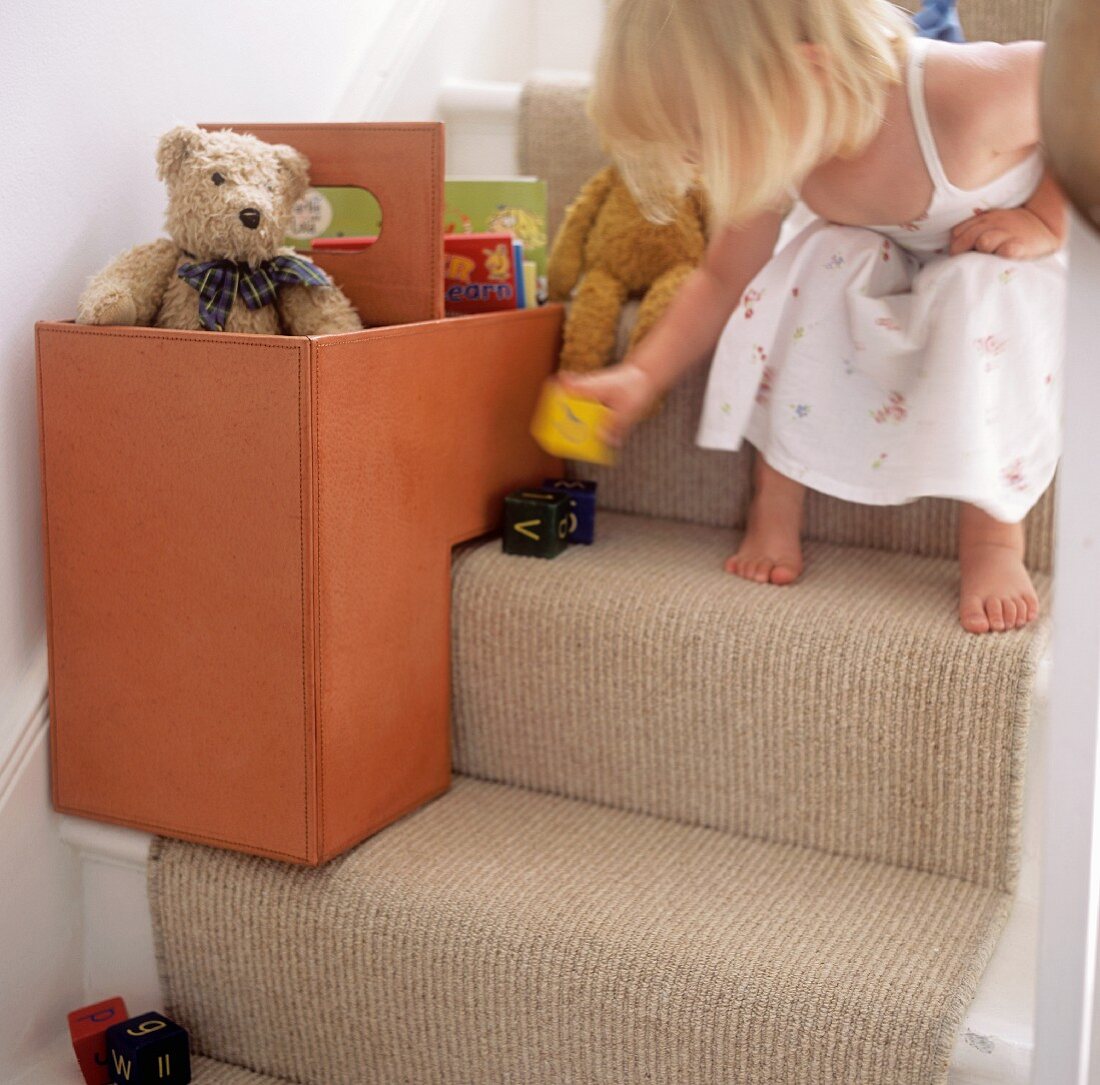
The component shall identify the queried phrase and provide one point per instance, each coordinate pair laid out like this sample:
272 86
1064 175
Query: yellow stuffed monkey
608 245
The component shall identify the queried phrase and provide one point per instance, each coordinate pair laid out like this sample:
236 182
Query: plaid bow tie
220 281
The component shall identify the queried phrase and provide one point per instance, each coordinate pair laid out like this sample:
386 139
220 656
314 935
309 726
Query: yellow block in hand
567 426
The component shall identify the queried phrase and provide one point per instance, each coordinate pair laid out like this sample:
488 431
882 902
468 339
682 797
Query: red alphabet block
88 1029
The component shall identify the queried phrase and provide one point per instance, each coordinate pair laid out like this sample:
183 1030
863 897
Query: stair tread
206 1071
848 712
500 934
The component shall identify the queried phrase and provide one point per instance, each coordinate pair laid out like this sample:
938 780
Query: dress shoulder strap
918 108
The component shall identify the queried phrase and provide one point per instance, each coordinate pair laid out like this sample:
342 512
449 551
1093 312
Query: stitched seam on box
390 126
434 273
170 829
211 338
317 565
302 574
52 699
470 322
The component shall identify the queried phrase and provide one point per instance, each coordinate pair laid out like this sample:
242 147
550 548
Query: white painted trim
479 97
118 956
113 845
22 716
21 749
1065 1051
393 51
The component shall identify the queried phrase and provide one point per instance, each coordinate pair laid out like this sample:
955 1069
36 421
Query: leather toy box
247 538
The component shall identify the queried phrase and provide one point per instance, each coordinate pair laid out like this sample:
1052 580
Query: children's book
481 273
513 205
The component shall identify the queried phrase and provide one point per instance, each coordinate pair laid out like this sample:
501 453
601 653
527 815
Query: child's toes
1021 612
783 572
762 571
1008 606
995 612
972 614
732 564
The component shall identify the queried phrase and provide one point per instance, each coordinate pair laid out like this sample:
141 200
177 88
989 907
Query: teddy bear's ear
174 147
294 171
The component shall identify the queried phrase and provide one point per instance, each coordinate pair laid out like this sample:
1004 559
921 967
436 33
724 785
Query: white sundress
872 366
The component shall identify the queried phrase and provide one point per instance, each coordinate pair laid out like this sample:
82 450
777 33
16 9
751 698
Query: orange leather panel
248 565
399 279
421 431
179 662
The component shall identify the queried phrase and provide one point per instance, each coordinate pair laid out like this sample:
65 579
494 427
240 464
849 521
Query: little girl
907 341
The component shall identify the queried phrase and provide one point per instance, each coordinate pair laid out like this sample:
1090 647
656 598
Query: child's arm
1020 233
999 85
687 331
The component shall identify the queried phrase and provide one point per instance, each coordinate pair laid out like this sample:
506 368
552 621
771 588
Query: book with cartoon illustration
482 272
513 205
491 204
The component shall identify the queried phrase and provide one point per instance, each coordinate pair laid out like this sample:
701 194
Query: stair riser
802 717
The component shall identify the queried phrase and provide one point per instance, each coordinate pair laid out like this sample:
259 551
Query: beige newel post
1067 1029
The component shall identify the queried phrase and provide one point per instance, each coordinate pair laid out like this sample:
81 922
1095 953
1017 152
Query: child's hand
627 391
1014 233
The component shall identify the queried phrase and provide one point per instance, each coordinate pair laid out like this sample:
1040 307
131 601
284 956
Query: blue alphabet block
148 1050
582 506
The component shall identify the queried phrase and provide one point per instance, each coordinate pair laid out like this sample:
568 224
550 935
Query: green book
516 205
491 204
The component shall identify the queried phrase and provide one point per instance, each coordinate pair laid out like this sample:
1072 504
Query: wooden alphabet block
88 1030
569 426
149 1050
582 506
536 523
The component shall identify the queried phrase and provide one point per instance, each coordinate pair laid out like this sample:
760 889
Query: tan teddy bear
225 269
615 252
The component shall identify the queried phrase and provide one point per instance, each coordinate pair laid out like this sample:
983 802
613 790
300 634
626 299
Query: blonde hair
722 93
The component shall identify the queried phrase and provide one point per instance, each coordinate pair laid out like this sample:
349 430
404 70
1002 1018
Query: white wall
567 33
85 90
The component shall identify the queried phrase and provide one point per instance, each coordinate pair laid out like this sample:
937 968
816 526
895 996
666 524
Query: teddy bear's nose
250 217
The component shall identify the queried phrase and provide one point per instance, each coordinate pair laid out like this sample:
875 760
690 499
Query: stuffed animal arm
567 256
129 289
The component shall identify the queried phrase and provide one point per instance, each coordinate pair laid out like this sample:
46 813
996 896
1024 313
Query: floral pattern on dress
752 298
1014 476
991 347
764 389
893 410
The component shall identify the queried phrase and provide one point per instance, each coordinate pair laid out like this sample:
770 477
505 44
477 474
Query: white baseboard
118 956
40 908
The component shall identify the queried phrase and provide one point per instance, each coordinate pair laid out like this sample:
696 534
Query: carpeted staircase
706 831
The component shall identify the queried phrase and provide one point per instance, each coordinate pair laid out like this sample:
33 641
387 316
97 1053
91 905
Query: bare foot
771 550
996 592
